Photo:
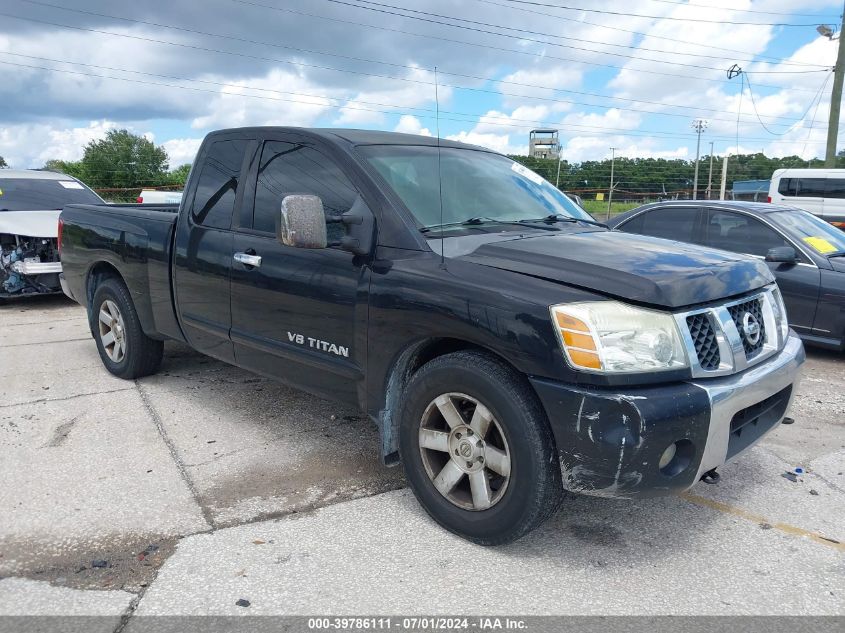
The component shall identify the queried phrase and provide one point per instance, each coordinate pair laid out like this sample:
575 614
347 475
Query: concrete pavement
186 491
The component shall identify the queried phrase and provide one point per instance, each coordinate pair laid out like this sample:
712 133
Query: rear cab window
217 187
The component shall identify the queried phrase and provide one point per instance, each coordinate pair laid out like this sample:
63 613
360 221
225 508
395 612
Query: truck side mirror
782 255
302 222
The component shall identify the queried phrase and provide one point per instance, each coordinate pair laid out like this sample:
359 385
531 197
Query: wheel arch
406 364
97 274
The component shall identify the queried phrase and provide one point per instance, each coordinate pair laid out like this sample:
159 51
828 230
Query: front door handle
247 259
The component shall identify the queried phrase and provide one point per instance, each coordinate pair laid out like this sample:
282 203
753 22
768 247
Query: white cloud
369 106
411 125
182 150
30 145
279 98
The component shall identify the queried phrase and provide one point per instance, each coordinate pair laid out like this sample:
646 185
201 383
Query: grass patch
598 208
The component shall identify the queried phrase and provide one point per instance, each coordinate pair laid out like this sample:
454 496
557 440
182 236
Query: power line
622 30
369 74
704 6
657 17
517 30
356 101
502 121
530 32
509 50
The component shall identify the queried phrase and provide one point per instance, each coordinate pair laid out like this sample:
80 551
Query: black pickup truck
508 347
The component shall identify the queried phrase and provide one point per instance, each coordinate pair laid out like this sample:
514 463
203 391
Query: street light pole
835 96
610 190
699 125
710 177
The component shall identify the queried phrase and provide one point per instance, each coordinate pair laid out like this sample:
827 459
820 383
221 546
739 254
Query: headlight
780 314
615 338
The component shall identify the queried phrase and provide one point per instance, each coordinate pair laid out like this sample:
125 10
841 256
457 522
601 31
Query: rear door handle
254 261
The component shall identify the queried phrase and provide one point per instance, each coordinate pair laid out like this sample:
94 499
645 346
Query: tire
513 504
129 353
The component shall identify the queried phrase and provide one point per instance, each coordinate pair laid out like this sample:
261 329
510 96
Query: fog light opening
676 458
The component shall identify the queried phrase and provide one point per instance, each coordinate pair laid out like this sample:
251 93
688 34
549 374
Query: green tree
3 164
124 160
179 175
71 168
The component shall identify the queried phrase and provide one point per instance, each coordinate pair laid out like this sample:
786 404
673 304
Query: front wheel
124 348
478 452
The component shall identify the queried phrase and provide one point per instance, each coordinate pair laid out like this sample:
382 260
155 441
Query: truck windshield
42 194
475 184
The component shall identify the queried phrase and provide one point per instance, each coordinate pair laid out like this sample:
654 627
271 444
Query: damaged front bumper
661 439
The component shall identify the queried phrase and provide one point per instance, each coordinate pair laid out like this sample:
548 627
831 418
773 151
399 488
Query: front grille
738 313
704 339
748 425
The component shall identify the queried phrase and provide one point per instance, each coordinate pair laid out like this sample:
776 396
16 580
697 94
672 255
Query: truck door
298 314
203 247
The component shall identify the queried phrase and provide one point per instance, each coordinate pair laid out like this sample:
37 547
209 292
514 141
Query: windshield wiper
474 221
836 254
565 218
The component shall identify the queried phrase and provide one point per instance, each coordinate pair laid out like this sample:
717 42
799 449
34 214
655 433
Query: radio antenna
439 171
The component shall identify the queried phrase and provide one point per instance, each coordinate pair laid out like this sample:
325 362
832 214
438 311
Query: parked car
506 345
30 203
805 254
157 196
575 198
819 191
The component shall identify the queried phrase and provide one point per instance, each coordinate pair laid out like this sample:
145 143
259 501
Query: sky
630 75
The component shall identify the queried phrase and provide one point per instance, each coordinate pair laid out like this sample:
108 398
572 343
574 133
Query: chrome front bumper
731 394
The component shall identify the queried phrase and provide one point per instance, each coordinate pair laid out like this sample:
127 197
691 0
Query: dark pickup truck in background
507 346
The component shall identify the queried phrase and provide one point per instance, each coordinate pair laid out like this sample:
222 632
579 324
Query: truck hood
636 268
30 223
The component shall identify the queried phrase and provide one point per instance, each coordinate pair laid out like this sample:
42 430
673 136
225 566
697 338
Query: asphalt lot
186 491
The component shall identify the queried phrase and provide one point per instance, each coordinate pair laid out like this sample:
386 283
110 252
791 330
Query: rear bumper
610 443
65 287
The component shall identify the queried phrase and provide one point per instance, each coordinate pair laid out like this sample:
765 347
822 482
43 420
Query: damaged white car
30 204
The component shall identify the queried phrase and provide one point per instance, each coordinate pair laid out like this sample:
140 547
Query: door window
835 188
741 233
786 186
290 168
673 223
217 189
810 187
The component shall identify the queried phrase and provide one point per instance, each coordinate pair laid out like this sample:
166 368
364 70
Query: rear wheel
478 452
124 348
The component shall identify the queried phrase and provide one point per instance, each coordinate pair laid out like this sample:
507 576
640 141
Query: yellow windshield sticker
820 244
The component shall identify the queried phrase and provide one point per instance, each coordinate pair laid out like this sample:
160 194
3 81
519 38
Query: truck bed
134 239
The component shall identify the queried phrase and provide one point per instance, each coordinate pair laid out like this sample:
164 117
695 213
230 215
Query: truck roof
361 137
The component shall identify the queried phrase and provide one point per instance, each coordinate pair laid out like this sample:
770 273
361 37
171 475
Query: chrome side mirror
302 222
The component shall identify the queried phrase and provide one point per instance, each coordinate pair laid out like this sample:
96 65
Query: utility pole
557 180
610 190
699 125
710 177
835 95
724 178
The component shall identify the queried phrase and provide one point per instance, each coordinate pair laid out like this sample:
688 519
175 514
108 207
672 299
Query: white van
819 191
153 196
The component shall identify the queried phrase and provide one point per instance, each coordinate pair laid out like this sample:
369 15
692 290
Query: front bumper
610 442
